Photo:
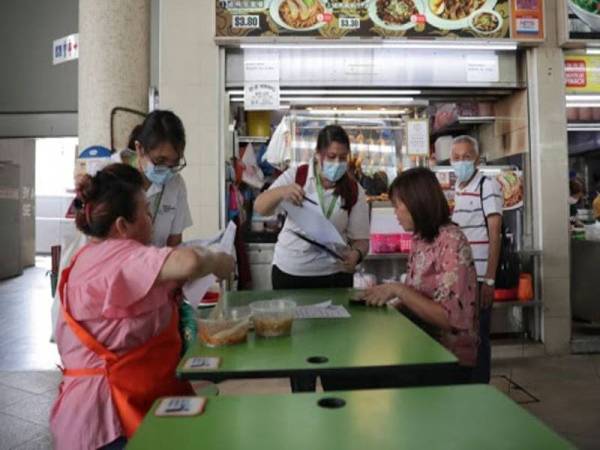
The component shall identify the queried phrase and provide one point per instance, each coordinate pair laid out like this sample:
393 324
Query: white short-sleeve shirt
297 257
173 213
473 204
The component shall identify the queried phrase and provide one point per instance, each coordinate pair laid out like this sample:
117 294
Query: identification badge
202 363
180 406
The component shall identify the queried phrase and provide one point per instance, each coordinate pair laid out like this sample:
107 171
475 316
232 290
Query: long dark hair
105 197
162 126
420 190
346 187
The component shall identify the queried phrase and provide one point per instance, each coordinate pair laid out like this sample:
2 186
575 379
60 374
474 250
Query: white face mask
573 201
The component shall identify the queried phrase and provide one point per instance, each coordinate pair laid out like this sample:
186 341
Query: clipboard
319 245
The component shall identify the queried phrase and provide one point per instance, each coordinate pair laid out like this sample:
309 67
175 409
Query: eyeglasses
175 168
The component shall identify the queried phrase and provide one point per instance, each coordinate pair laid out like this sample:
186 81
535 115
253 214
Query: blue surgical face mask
333 171
158 174
464 170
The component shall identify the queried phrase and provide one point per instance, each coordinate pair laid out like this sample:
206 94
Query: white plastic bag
279 150
67 254
252 175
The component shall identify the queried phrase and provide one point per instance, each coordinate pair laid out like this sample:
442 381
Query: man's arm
494 222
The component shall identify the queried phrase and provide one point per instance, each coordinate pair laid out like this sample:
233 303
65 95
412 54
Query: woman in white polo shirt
159 144
297 263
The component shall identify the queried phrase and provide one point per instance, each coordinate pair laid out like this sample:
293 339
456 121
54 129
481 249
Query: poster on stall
527 20
582 74
338 19
580 20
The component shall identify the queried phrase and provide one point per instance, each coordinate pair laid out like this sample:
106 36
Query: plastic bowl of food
485 21
273 318
229 328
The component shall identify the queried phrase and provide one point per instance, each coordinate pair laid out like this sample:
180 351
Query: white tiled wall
188 85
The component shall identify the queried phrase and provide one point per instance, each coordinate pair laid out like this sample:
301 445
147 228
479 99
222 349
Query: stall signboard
338 19
65 49
579 21
582 74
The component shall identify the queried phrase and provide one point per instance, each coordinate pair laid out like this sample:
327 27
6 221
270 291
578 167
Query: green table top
448 418
371 338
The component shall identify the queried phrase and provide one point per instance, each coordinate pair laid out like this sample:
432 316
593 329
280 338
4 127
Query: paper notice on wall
417 137
261 83
482 68
194 291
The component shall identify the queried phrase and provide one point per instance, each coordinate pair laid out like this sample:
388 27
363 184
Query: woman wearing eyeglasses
159 145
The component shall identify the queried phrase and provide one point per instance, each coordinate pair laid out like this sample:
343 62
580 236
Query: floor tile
585 442
42 442
263 386
15 431
10 395
34 409
596 361
33 382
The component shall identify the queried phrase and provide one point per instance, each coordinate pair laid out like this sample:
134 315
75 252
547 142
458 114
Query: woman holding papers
159 144
324 185
440 290
117 333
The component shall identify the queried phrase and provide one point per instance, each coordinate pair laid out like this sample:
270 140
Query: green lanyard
157 204
320 191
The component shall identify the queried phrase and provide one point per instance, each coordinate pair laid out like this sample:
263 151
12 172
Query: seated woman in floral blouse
441 283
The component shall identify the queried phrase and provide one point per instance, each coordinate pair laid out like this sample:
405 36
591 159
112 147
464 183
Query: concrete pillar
114 67
189 84
549 161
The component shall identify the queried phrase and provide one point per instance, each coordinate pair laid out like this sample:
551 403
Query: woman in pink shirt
117 333
441 283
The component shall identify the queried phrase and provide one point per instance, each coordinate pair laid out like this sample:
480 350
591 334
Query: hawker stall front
581 41
403 78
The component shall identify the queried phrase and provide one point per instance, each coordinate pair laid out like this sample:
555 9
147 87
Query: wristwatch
489 282
361 257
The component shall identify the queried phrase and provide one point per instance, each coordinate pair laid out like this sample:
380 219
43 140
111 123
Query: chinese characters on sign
65 49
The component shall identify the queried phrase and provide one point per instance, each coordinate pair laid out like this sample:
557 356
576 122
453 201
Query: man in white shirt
478 211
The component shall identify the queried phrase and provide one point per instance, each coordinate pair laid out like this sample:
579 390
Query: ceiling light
582 98
356 112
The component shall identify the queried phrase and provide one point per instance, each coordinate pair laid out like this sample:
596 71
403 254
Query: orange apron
138 377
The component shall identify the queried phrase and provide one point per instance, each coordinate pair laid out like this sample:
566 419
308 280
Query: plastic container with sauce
230 328
273 318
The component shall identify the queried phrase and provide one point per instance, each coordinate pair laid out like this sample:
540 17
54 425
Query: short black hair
162 126
420 190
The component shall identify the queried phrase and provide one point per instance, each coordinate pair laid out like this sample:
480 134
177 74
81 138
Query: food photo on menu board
510 181
376 18
583 19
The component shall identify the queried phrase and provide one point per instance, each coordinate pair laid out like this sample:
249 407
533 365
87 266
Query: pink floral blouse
444 271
